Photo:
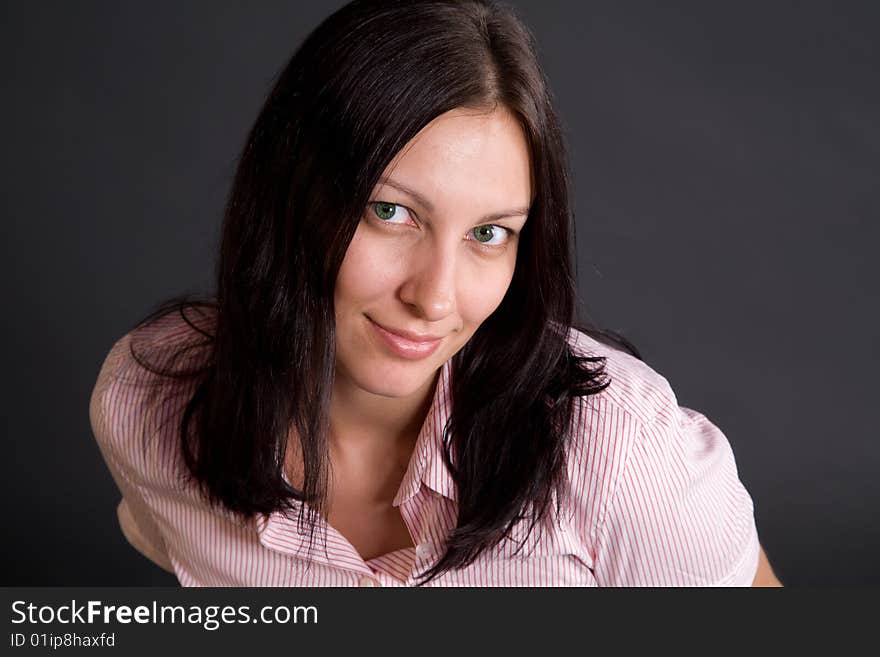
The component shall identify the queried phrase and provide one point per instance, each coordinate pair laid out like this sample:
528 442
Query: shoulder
636 418
635 389
129 399
637 409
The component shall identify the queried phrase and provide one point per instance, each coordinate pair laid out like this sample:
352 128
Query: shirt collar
427 465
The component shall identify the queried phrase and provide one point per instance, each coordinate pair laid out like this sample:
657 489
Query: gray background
725 168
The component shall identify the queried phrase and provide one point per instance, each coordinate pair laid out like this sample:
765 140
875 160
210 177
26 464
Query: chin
369 368
391 385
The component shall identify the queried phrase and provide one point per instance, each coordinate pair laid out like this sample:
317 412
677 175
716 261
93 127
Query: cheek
480 294
369 270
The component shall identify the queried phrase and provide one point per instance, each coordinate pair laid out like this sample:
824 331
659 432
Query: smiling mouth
404 347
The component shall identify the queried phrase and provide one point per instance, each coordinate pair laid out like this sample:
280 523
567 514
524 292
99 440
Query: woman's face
434 252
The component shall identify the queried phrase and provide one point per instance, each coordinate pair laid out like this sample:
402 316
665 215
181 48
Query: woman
388 388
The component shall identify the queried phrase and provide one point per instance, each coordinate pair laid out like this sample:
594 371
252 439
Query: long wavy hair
359 88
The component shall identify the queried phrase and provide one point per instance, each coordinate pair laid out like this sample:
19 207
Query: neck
365 422
369 434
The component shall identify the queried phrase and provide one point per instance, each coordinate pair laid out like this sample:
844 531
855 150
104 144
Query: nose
429 288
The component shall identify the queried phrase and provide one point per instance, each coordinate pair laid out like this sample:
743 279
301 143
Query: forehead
468 155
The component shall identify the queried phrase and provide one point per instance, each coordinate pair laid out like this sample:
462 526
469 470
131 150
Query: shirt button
369 581
423 550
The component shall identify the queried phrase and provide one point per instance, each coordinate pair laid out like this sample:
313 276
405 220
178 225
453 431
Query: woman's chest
371 529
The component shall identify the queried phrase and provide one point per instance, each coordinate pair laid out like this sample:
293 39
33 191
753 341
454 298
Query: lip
404 346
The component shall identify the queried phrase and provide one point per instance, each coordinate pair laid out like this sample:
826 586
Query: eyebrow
424 202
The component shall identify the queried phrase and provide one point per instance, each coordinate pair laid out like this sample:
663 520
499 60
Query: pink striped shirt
655 497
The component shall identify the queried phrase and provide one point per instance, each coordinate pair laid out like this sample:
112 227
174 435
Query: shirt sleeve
111 414
679 515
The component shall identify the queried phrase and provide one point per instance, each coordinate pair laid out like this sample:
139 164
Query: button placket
366 580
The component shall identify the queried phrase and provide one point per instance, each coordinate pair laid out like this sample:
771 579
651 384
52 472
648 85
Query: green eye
484 233
384 211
